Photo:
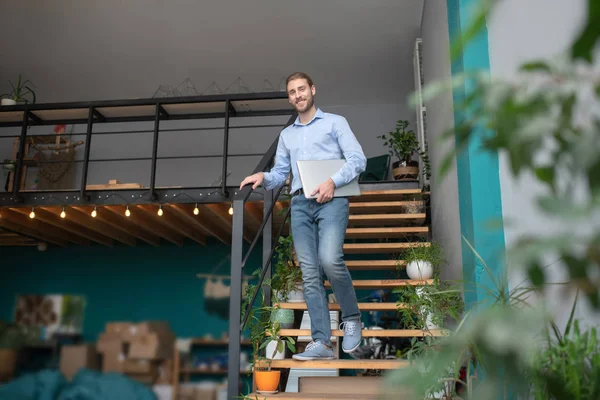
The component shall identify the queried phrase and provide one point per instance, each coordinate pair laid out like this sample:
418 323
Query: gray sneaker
352 335
315 351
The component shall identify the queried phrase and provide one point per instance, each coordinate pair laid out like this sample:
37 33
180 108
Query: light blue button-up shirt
326 137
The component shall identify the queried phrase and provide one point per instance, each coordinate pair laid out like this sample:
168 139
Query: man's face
300 95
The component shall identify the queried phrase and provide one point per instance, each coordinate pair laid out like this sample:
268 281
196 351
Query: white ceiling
358 52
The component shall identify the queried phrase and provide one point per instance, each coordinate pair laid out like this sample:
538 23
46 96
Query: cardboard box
160 327
113 361
131 366
72 358
165 372
124 330
111 342
152 347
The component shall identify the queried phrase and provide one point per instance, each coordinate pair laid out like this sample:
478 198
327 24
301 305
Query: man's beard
310 101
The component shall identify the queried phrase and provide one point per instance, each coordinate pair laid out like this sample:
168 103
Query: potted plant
287 281
403 144
12 338
18 94
265 335
422 260
429 306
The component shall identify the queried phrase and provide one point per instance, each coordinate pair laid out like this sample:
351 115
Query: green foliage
402 142
569 366
436 303
14 337
20 91
432 253
287 276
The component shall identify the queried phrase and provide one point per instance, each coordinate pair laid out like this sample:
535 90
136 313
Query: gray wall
519 31
444 199
367 122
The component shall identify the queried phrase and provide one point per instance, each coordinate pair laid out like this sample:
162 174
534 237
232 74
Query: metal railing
238 261
93 111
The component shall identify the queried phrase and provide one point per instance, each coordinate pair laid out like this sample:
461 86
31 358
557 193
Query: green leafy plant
402 142
20 91
569 366
14 337
272 334
429 304
287 276
432 253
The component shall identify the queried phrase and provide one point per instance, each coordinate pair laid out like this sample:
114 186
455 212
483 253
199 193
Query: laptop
314 172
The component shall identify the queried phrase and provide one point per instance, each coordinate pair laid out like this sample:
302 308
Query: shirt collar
319 114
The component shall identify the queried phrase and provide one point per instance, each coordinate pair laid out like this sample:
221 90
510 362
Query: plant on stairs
422 261
287 281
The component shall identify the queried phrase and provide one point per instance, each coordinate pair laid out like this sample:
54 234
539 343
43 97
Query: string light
127 212
94 213
32 213
196 211
63 214
160 211
231 209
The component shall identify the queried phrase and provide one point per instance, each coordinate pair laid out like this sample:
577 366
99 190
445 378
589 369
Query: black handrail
238 261
264 271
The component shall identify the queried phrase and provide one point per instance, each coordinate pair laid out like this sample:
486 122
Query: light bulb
127 212
230 210
94 213
160 211
196 211
32 214
63 214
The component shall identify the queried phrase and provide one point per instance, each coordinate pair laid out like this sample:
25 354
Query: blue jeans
319 231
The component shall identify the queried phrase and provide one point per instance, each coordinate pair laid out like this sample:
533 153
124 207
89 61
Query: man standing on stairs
319 224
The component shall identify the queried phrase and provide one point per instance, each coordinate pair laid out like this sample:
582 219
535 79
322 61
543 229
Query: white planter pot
419 270
8 102
428 321
296 296
271 348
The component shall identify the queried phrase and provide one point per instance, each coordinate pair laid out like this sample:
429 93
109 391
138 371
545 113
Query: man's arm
280 171
356 161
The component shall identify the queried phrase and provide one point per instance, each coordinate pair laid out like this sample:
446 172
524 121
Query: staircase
379 228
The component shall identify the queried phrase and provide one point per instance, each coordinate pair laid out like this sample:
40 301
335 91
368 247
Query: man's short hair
299 75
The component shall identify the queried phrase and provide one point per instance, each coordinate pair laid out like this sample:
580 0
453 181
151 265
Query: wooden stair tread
379 206
361 248
337 364
313 396
385 232
385 283
369 332
385 219
373 264
371 306
388 195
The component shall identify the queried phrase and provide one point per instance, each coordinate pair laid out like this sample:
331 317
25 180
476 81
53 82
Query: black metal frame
238 261
152 194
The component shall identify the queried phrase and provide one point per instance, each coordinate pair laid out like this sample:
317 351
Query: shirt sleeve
353 153
280 171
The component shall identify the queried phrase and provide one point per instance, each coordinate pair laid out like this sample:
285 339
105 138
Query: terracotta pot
8 360
267 381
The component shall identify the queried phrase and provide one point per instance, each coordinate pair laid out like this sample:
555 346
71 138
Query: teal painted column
479 194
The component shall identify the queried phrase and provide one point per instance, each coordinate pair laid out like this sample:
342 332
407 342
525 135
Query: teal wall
123 283
479 192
